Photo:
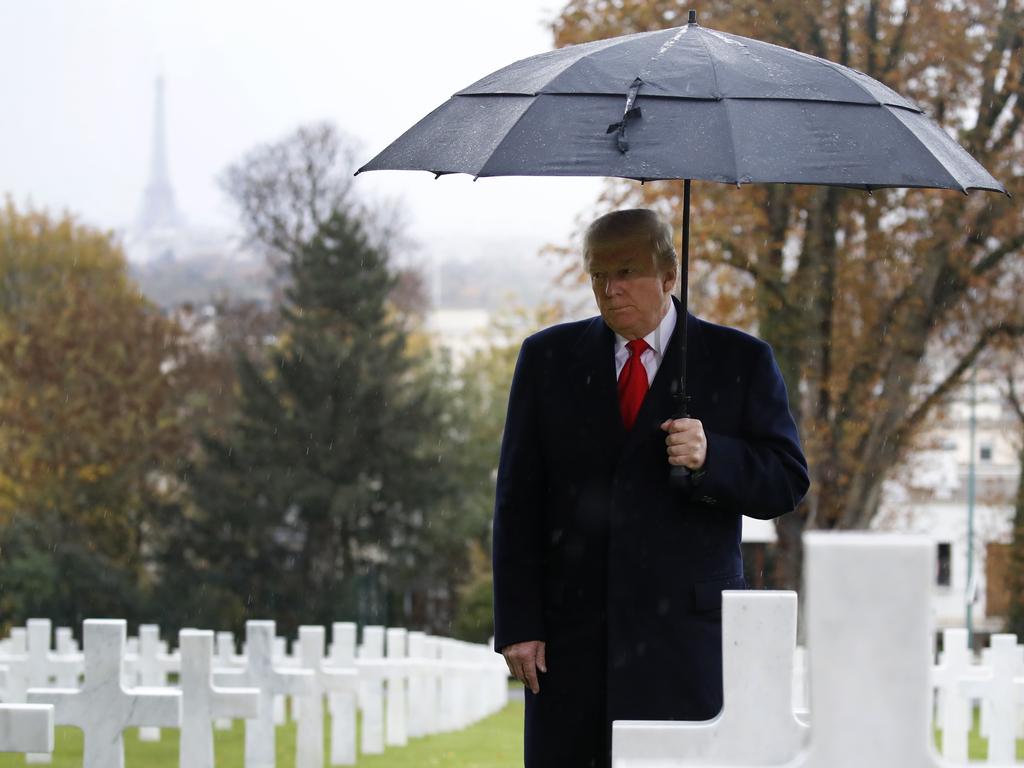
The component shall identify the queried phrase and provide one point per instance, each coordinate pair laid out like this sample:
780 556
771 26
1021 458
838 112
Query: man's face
632 294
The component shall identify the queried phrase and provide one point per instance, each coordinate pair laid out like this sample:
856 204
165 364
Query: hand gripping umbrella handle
680 478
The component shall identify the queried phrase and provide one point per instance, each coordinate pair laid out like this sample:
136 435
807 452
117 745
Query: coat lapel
594 377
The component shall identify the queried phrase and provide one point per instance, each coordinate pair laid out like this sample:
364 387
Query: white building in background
462 332
930 496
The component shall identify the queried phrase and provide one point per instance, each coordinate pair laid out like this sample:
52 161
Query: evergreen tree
314 506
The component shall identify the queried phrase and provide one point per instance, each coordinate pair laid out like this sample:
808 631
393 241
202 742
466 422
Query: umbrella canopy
686 103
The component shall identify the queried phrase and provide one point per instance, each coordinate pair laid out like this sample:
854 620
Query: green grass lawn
492 743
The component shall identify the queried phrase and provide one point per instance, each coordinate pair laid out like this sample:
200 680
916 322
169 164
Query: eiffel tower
158 212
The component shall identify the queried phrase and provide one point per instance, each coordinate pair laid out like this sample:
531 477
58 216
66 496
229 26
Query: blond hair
632 224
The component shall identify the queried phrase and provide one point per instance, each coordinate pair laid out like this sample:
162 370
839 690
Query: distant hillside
465 283
490 283
198 280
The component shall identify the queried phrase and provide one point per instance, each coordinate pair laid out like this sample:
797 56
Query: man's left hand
686 444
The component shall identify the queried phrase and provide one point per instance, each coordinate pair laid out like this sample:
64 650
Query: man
607 578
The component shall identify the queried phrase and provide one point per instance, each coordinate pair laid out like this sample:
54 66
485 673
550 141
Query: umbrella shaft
682 410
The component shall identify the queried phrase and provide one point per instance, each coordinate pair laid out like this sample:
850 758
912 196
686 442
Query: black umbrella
686 103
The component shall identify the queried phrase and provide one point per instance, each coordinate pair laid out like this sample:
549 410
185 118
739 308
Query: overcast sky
77 95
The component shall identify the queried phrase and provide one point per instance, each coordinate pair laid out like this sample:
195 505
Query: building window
944 564
986 452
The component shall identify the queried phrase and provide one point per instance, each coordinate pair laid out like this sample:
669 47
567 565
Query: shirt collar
658 338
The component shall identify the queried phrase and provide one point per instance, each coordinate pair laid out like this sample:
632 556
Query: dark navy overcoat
596 554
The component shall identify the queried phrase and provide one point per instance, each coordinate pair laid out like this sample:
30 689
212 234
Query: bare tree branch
992 101
1013 397
752 268
896 48
994 257
952 379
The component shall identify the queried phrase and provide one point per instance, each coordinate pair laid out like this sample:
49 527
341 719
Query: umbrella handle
681 478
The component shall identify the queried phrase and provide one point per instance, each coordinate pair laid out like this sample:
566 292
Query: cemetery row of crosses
405 684
865 692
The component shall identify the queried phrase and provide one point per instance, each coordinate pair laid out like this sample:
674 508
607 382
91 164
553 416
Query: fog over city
79 95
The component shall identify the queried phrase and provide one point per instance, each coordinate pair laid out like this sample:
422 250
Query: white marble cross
68 672
153 665
38 652
224 651
16 666
309 740
1001 689
954 713
26 728
282 661
450 685
418 687
984 724
261 673
397 700
869 644
456 682
371 689
757 725
225 659
40 666
343 703
102 708
202 701
431 677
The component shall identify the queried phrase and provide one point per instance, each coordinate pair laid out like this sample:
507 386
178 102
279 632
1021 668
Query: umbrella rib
927 148
839 69
725 106
511 128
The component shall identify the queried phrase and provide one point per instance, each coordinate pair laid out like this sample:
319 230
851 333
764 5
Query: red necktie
632 383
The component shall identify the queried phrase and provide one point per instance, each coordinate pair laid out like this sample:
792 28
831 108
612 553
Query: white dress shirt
657 340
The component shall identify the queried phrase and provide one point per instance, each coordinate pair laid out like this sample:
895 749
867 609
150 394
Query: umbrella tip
693 17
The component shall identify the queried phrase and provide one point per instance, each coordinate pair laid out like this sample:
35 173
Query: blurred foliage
314 458
325 477
477 402
875 304
91 419
474 617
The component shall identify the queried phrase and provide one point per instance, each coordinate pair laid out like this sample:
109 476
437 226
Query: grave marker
102 708
757 725
343 703
261 673
225 659
202 701
153 665
1000 689
309 741
955 707
26 728
869 642
371 689
397 701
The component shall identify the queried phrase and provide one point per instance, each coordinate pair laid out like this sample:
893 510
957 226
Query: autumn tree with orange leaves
875 304
93 413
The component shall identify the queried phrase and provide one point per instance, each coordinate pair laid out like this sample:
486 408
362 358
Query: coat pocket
707 595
